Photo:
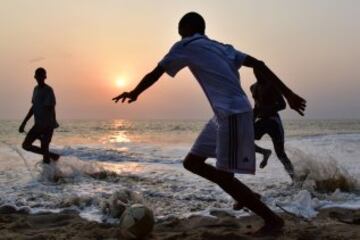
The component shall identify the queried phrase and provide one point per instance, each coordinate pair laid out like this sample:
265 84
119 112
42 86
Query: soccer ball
116 204
136 222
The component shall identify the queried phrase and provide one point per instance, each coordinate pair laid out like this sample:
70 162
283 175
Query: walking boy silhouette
43 109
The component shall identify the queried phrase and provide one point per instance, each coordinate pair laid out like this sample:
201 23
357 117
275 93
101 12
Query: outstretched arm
26 119
144 84
296 102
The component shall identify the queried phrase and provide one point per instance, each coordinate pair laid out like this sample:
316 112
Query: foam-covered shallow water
101 158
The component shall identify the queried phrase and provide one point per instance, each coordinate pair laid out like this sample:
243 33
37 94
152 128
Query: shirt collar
192 38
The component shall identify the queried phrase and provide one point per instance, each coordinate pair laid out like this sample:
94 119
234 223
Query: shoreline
330 223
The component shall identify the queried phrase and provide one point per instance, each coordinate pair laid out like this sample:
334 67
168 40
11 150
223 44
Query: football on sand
136 222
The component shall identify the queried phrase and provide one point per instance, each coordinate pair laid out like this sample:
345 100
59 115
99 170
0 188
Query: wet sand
330 224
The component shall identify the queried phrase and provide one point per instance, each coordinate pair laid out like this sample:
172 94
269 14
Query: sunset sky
95 49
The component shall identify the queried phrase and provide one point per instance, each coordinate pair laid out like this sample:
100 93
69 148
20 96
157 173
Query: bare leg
266 154
239 191
238 206
280 152
30 138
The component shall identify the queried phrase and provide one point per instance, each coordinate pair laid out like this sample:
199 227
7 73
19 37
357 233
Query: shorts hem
201 154
239 171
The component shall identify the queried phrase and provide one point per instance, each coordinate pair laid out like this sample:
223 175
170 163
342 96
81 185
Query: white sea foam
96 165
322 173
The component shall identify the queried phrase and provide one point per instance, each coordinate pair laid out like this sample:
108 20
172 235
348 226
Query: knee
226 176
187 164
25 146
192 163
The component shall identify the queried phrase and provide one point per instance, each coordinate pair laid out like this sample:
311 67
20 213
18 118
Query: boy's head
40 75
190 24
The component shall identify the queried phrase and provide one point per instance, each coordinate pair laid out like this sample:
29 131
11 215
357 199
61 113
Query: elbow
148 80
154 75
259 68
259 65
149 77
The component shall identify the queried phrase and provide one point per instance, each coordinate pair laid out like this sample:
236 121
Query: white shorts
229 139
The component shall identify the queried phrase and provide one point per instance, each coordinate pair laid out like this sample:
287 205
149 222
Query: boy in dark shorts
268 102
43 109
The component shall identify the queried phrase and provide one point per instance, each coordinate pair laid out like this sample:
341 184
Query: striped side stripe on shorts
233 142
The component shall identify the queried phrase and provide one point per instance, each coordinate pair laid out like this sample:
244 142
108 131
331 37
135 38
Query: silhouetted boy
43 109
229 135
268 102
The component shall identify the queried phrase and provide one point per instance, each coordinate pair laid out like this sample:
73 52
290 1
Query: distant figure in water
229 135
43 109
268 102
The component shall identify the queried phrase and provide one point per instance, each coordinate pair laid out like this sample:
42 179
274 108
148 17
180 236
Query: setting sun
120 82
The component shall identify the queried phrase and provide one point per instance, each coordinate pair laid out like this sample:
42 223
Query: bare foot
55 157
271 227
266 155
238 206
46 161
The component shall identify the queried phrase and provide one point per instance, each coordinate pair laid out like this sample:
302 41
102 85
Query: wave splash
322 174
68 169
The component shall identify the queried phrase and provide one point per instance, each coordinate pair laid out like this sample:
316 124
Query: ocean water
144 159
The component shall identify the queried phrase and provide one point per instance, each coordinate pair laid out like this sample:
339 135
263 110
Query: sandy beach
332 223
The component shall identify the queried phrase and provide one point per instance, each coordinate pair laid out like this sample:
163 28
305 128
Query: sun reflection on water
120 123
120 137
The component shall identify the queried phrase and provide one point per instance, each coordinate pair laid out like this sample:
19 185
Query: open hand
296 103
125 95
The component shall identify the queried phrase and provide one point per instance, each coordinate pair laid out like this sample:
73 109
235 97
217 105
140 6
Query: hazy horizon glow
94 50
